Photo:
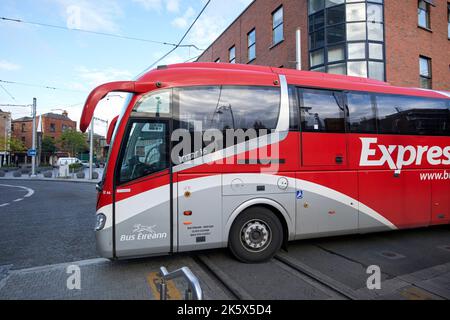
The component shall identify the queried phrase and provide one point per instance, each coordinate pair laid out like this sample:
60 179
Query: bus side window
321 111
253 109
412 115
293 109
362 117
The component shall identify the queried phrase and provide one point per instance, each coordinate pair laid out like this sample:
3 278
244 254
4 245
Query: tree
48 145
73 142
15 145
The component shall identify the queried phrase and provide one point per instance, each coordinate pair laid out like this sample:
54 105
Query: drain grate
391 255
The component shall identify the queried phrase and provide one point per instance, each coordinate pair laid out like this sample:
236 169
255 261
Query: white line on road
30 192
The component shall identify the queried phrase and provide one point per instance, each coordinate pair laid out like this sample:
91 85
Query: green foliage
73 142
48 145
75 167
16 145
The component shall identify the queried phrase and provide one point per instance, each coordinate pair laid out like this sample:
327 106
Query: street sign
31 152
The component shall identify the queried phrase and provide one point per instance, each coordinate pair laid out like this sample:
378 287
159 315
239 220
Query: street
51 227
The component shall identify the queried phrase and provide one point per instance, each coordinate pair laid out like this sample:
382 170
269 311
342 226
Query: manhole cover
391 255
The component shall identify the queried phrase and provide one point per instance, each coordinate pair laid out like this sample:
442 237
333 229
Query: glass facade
347 37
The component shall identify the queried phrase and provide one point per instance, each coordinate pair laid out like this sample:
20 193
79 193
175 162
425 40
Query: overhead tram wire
8 93
193 58
178 45
112 35
39 86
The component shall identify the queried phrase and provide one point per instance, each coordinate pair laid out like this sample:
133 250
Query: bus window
413 115
146 150
362 117
321 111
157 102
228 107
293 109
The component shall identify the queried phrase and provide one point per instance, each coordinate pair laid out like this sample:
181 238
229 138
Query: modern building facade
406 43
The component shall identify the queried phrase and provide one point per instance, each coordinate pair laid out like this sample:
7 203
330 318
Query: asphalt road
46 223
53 225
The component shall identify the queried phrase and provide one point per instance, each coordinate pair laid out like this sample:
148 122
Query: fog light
100 222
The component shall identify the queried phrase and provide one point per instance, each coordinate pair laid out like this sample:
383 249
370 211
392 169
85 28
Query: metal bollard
163 290
193 292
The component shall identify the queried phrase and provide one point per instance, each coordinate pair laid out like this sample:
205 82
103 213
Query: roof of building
45 115
23 119
56 116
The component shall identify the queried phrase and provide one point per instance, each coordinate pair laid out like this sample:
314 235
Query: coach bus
207 155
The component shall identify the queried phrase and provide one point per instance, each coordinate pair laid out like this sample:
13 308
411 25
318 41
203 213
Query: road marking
153 280
29 191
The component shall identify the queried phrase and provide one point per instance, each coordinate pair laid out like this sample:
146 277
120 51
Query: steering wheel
152 151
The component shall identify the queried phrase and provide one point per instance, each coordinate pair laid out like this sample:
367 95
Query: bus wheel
256 235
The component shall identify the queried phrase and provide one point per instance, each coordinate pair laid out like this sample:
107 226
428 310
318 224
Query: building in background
405 43
5 136
50 125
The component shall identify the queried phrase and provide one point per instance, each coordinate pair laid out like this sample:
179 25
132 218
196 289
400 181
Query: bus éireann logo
141 232
398 156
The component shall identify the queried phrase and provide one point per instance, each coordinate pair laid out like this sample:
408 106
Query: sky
76 62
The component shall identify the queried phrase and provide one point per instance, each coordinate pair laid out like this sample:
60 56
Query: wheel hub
255 235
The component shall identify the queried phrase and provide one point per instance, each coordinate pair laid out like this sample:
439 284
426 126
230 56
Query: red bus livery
207 155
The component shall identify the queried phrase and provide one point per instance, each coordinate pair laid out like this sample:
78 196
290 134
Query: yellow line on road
153 281
414 293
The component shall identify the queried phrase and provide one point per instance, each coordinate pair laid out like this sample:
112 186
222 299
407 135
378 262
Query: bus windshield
122 112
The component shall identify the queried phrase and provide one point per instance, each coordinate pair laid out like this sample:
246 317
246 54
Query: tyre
256 235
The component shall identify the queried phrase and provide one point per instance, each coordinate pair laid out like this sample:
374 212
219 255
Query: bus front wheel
256 235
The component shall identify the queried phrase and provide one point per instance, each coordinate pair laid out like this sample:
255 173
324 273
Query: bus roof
196 73
310 78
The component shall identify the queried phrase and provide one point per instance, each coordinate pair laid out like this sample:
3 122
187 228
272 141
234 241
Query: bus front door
142 193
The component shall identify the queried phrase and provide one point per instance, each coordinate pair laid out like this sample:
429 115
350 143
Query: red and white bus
332 155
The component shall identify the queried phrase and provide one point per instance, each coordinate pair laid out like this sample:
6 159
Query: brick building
406 43
51 125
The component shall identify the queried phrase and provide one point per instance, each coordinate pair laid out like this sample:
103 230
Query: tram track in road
319 277
304 275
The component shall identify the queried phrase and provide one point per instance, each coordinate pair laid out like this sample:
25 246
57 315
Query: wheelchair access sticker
299 194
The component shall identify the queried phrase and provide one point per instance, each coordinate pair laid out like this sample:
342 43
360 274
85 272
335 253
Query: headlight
100 221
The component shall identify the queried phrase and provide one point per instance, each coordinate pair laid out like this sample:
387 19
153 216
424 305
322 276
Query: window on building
23 139
52 127
346 37
425 72
251 36
277 26
424 14
232 54
23 127
64 128
321 111
217 60
448 18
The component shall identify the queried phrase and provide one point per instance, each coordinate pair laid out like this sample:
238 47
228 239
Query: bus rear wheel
256 235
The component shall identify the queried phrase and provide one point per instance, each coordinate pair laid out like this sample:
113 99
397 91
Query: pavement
40 176
47 233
